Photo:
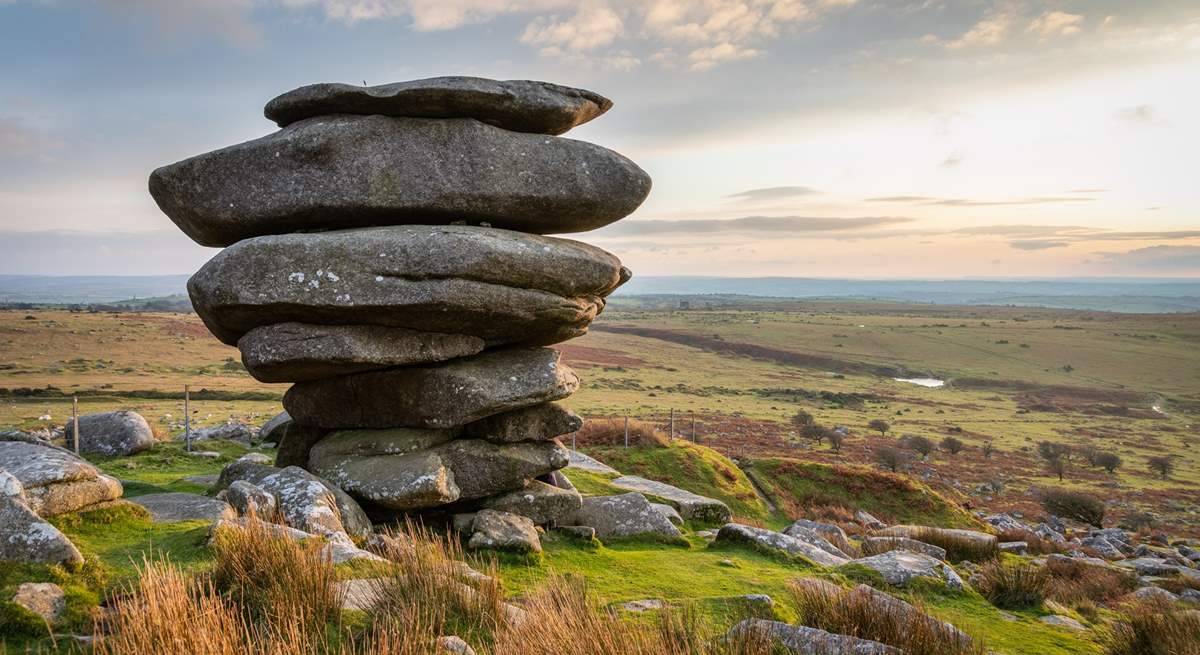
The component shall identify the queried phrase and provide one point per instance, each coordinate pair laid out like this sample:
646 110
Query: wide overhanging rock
56 480
292 352
497 285
345 171
518 105
442 396
410 469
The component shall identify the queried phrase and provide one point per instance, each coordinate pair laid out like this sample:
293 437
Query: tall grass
958 548
611 432
890 621
1073 582
1017 586
1034 543
1154 628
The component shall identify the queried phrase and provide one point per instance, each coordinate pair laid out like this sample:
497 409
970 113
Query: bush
893 459
958 548
952 445
1108 461
611 432
1074 505
878 617
920 445
879 425
1071 581
1162 465
1020 586
1153 629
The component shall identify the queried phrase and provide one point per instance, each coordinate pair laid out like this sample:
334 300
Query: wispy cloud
968 202
1157 259
1022 244
773 193
778 225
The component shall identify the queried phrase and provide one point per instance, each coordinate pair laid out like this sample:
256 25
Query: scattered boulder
24 536
537 423
295 352
272 431
692 507
539 502
56 480
300 502
45 599
517 105
231 431
625 515
1155 593
1005 522
885 544
443 396
669 512
495 530
1061 621
832 533
803 640
776 543
899 567
112 433
584 532
249 499
868 521
178 506
808 535
1014 547
1149 566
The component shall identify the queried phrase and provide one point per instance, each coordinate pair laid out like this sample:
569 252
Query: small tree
1051 450
1108 461
881 426
952 445
1058 466
988 449
921 445
835 440
802 418
815 432
893 459
1163 465
1074 505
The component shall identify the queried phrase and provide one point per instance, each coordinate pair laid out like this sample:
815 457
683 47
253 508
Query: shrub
952 445
1019 586
802 418
815 432
1071 581
878 617
893 459
958 548
919 444
1153 629
1162 465
1074 505
611 432
1108 461
879 425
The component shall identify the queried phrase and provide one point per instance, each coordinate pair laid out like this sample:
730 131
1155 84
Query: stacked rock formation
383 252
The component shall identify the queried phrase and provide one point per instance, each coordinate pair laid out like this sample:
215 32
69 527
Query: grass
958 548
118 537
1073 582
1012 586
164 467
811 489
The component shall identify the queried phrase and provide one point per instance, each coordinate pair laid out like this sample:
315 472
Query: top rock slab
517 105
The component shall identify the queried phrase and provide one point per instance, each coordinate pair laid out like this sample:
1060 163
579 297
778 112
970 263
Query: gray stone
112 433
1103 546
24 536
626 515
407 468
810 536
537 423
670 512
45 599
1155 593
1005 522
295 442
496 285
869 521
295 352
539 502
775 542
301 504
249 499
272 431
1149 566
692 507
454 646
339 548
832 533
340 172
885 544
517 105
641 606
803 640
1014 547
590 464
899 567
441 396
584 532
178 506
982 539
495 530
229 431
56 480
1061 621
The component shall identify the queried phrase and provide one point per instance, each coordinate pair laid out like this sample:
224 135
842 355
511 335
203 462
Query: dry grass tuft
958 549
1154 628
1036 544
611 432
1018 586
879 618
1073 582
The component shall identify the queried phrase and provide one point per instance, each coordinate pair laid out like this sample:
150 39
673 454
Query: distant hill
1133 295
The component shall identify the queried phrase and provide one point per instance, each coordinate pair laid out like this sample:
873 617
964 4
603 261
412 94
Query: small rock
584 532
454 645
248 499
868 521
45 599
775 542
803 640
179 506
1061 621
503 531
669 512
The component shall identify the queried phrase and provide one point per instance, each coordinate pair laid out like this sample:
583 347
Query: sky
814 138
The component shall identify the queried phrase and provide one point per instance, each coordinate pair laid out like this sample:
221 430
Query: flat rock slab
496 285
538 423
982 539
56 480
179 506
803 640
885 544
441 396
775 542
625 515
691 506
408 469
517 105
294 352
590 464
346 171
899 567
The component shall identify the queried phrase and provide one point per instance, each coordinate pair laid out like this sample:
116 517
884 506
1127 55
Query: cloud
952 161
1022 244
967 202
1159 259
750 225
773 193
989 31
1141 114
230 19
592 26
703 59
19 140
1056 23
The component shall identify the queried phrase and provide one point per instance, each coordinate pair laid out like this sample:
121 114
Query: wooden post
573 440
75 420
626 432
693 426
187 418
672 424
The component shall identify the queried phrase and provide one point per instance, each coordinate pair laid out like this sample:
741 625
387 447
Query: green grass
693 467
163 467
800 487
118 537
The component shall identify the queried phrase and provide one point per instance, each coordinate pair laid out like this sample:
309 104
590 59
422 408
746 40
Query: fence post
672 424
187 418
626 432
693 426
75 420
573 440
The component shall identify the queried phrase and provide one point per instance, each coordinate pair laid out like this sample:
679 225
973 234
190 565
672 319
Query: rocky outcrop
690 506
626 515
803 640
773 542
384 252
112 433
56 480
24 536
900 567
